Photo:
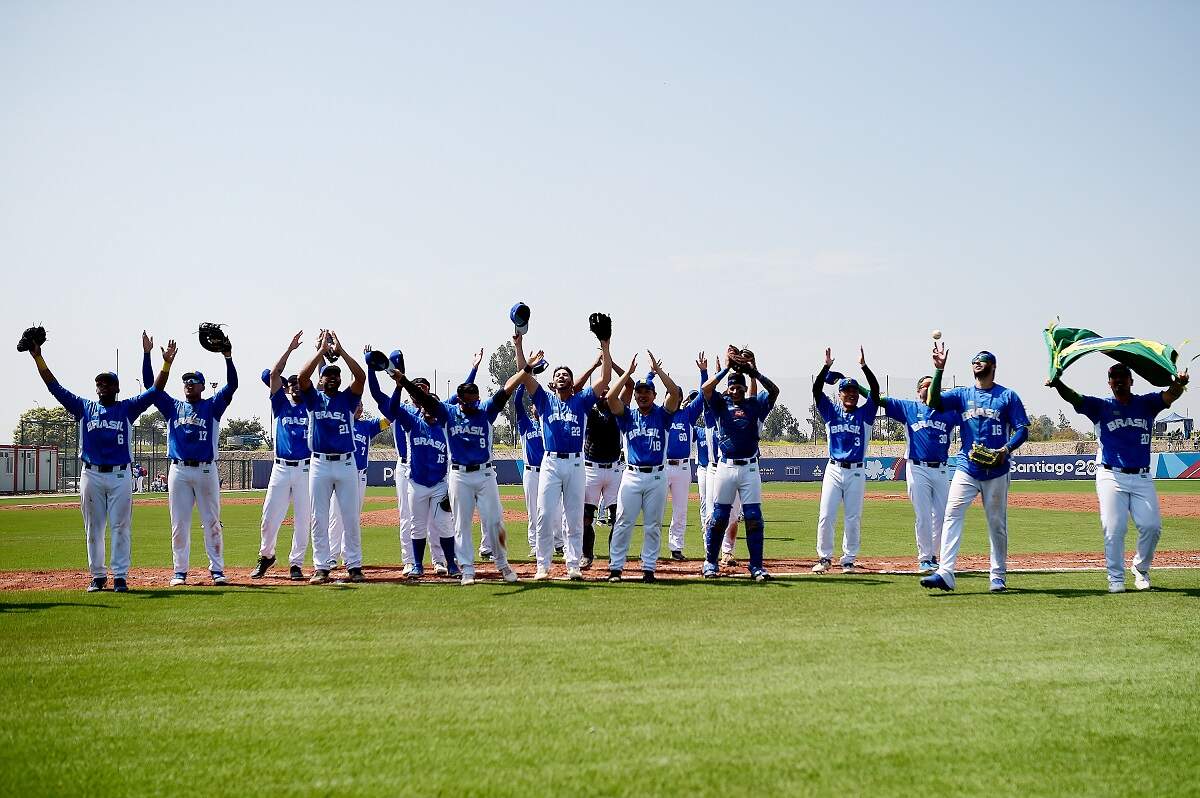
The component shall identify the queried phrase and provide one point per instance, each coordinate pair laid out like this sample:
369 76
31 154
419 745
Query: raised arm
934 397
168 356
1178 386
601 384
872 382
306 371
277 370
582 380
231 380
674 394
147 371
43 370
1069 394
819 382
360 376
525 368
771 388
615 402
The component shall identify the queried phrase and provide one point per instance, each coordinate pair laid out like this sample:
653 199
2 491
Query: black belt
599 465
470 468
281 461
403 460
1107 467
645 469
192 463
564 455
845 463
931 463
105 469
342 456
745 461
533 468
678 462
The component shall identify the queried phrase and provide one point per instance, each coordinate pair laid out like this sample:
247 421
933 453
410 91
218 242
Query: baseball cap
108 376
922 379
1119 370
832 377
846 383
330 369
645 383
519 316
193 378
467 387
420 381
984 356
266 377
736 379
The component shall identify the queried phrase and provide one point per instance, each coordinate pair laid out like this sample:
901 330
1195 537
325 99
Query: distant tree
816 422
47 426
781 425
502 365
1063 430
1041 429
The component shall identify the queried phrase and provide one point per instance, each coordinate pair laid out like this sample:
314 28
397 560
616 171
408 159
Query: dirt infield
144 578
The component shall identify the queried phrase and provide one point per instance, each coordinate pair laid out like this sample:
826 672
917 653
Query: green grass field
862 685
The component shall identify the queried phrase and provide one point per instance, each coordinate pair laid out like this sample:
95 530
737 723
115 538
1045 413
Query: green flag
1152 361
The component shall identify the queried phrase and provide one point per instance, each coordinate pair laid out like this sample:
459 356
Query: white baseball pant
199 487
928 488
738 481
530 478
288 486
337 529
329 481
706 508
601 485
679 485
470 490
702 486
107 499
560 502
1121 496
963 489
405 512
645 494
841 487
429 521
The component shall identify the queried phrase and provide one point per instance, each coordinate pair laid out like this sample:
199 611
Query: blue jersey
563 422
192 429
926 430
989 417
331 420
531 434
384 401
737 426
291 427
644 435
848 432
364 430
679 435
1123 430
428 451
105 431
471 432
702 447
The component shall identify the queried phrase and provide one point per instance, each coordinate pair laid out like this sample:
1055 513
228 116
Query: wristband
166 369
528 369
41 364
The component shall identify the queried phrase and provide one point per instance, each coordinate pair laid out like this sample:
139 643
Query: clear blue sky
783 176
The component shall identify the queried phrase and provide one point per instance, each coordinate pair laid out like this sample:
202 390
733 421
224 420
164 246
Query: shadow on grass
198 591
725 582
38 606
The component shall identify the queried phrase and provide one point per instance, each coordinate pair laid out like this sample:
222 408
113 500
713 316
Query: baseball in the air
937 334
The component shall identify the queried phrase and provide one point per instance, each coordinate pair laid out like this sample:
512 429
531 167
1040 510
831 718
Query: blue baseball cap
846 383
397 358
193 378
736 378
266 377
832 377
984 356
646 383
108 376
519 316
330 368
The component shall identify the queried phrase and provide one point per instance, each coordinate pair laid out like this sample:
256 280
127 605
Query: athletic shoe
440 569
558 551
533 552
823 565
178 579
727 560
761 575
1116 587
710 571
296 573
356 575
614 576
484 554
574 575
1141 579
97 584
467 579
541 575
218 578
848 567
319 577
119 585
418 570
508 573
935 580
454 571
260 570
586 563
926 567
407 569
648 576
997 586
677 556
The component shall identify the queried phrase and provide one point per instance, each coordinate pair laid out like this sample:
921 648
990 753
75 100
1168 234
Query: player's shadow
1194 592
198 591
39 606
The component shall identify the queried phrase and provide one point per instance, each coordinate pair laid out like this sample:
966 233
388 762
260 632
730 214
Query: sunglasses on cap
193 378
984 357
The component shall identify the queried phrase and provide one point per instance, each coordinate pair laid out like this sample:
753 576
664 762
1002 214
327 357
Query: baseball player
530 430
644 429
384 402
424 423
738 419
333 474
365 430
992 417
1124 486
288 484
706 470
193 478
472 476
106 449
679 468
561 487
848 429
602 466
927 449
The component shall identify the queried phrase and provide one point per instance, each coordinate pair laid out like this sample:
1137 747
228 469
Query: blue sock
754 534
448 551
418 550
716 531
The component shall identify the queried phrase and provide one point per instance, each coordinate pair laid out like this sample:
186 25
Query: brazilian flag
1152 361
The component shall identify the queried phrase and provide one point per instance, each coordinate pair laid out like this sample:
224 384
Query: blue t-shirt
926 430
1123 430
291 427
105 432
702 447
428 451
192 429
848 432
988 416
470 433
531 434
644 435
563 422
384 401
331 420
737 426
365 429
679 434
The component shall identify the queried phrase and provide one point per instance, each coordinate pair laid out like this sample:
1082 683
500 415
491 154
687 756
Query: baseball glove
33 336
988 458
738 359
600 325
213 338
378 361
541 366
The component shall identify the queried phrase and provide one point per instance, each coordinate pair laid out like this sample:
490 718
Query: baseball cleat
440 569
558 551
508 573
935 581
926 567
296 573
648 576
120 585
454 571
727 560
178 579
586 563
823 565
407 569
761 575
218 578
848 567
997 586
97 584
319 577
355 575
484 554
417 571
1116 587
574 575
541 575
710 571
677 555
614 576
466 579
1141 579
260 570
